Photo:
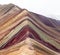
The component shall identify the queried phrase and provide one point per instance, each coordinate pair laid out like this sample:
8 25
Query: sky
49 8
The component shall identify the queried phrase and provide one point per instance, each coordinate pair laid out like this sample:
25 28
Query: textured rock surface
17 24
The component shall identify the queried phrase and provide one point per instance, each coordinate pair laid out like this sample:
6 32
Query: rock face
16 25
24 50
28 50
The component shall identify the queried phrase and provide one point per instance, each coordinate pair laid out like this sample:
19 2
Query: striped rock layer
17 25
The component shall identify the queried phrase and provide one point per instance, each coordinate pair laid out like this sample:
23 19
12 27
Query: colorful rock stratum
26 33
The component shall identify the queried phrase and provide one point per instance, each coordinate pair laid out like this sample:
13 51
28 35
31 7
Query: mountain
17 25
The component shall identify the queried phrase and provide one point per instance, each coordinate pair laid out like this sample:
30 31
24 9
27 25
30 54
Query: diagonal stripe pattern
22 32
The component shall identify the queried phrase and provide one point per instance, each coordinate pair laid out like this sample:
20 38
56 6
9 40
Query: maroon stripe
20 36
